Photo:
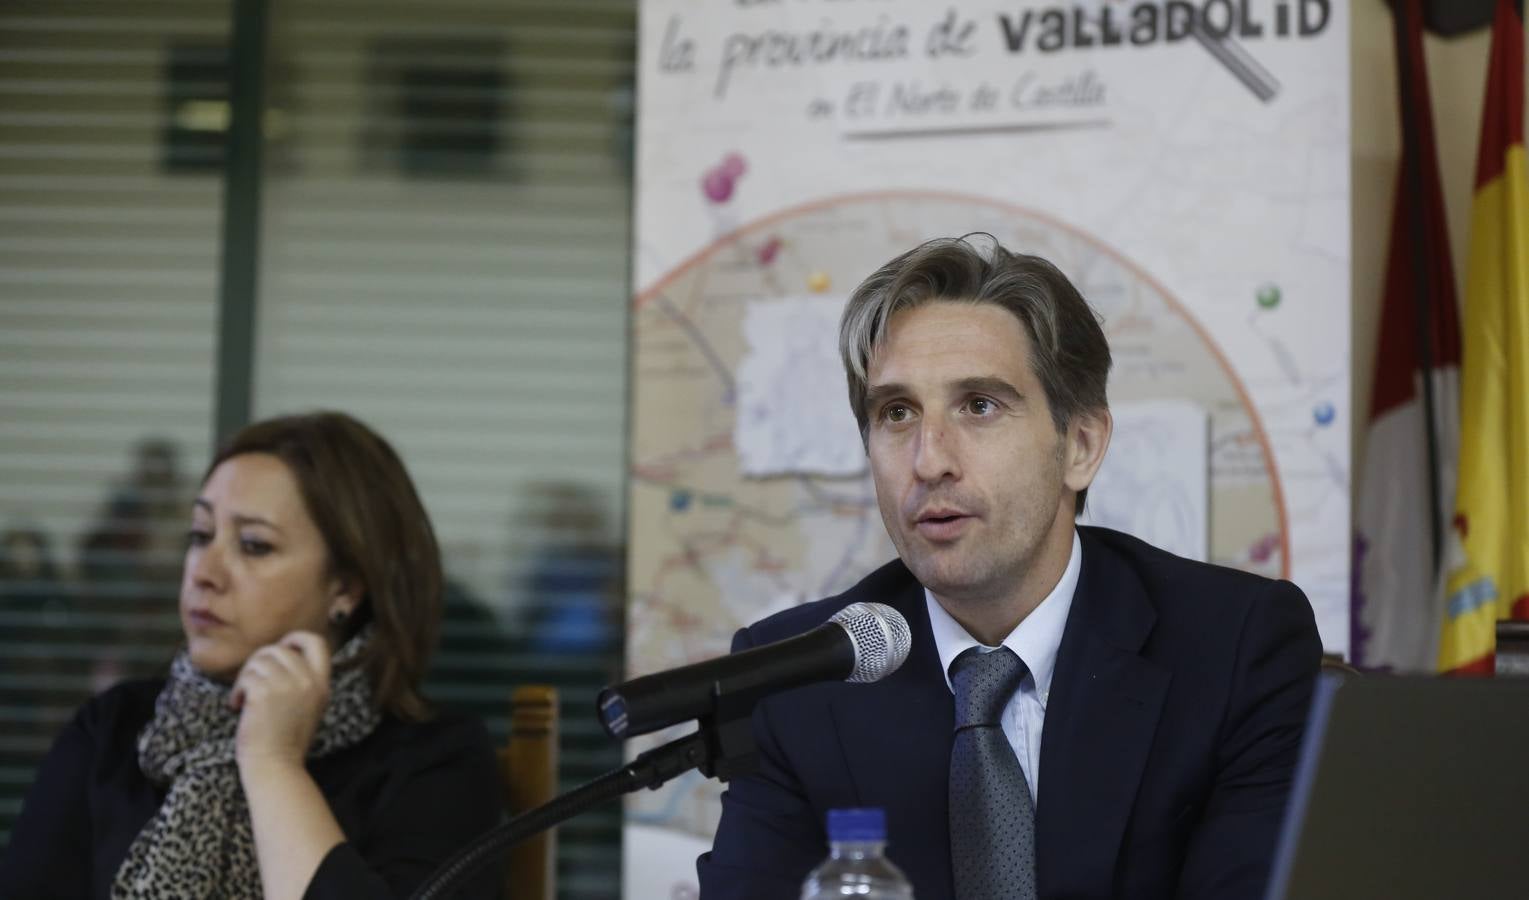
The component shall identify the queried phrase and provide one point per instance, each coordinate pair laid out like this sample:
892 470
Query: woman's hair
357 492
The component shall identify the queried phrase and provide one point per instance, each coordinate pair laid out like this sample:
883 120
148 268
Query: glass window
110 199
446 229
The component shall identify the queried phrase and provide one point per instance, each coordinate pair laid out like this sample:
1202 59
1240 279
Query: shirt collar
1034 640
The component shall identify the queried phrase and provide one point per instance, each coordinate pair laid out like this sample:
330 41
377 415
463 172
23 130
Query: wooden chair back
528 771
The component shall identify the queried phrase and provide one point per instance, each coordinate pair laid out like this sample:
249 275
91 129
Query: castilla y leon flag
1407 474
1487 555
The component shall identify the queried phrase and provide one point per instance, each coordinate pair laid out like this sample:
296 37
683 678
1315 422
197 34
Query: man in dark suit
1171 694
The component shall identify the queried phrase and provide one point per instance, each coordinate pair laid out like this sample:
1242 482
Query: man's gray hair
1068 350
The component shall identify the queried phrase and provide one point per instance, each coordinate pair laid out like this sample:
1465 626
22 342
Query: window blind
108 287
444 254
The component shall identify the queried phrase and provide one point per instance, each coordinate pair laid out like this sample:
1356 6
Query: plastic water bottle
856 865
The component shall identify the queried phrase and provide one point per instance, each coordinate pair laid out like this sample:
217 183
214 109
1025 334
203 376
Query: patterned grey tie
992 818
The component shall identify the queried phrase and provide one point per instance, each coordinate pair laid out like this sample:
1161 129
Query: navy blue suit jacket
1171 734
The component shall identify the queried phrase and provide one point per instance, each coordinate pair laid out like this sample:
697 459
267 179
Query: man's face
970 471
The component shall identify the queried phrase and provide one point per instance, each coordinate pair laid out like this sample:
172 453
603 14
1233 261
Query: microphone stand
722 748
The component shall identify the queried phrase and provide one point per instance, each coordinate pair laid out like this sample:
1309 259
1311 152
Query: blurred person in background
289 752
129 560
29 579
33 601
574 587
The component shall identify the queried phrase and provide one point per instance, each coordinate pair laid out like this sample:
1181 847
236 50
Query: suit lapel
1100 720
898 734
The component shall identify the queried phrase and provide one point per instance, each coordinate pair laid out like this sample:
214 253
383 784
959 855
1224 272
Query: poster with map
1185 163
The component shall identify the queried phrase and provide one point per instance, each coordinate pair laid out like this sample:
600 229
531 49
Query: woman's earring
337 617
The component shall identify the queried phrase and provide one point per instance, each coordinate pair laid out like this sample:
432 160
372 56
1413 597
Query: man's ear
1088 436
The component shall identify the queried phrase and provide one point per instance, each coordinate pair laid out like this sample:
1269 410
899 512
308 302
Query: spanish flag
1488 555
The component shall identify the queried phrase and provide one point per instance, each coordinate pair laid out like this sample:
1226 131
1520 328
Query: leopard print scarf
201 844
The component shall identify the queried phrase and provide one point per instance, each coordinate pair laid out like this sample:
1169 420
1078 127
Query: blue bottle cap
864 825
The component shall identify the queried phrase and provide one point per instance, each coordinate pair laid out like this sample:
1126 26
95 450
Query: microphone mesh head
880 637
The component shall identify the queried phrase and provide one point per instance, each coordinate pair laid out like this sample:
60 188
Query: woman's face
256 566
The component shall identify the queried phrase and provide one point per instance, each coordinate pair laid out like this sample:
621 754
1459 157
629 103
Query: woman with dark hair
289 752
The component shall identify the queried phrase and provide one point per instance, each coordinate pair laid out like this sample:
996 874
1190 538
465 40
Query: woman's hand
281 693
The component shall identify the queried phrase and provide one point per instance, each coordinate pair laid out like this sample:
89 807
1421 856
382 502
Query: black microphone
863 642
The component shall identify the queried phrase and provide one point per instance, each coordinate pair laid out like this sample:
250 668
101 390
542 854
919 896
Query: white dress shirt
1034 640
